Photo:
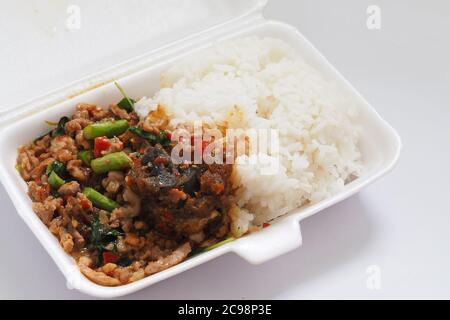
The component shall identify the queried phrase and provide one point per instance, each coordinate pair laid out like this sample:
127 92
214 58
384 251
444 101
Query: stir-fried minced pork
69 189
105 185
175 257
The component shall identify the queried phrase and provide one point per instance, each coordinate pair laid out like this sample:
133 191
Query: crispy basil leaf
60 128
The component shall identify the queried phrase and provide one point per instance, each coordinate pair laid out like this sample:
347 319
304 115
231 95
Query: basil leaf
102 235
163 139
58 167
143 134
60 128
126 103
152 138
124 261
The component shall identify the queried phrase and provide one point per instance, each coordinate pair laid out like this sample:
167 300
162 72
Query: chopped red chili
101 144
110 257
85 204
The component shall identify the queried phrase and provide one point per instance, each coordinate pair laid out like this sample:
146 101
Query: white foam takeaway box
379 143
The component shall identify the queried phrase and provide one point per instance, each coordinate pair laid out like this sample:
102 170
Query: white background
401 223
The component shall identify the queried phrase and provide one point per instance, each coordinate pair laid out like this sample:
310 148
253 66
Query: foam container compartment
379 143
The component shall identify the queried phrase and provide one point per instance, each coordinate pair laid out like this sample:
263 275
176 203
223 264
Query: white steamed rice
272 87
